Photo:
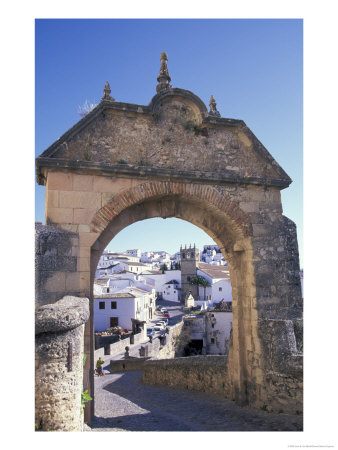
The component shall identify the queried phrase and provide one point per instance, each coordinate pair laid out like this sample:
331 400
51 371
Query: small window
108 290
212 340
174 292
188 278
212 326
220 289
113 305
114 321
102 305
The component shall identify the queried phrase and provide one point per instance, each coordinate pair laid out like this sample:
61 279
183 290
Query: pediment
173 134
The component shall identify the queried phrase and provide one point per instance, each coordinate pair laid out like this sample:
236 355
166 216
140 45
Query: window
188 278
102 305
113 305
220 289
174 292
114 321
212 340
212 325
108 290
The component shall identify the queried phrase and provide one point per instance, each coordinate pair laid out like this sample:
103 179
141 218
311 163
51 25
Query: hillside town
147 292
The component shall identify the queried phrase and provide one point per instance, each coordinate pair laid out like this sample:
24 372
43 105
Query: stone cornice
124 170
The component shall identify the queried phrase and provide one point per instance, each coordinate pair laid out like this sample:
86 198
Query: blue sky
253 67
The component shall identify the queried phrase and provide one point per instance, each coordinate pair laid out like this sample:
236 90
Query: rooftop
215 271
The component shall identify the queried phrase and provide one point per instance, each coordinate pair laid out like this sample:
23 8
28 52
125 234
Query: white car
159 326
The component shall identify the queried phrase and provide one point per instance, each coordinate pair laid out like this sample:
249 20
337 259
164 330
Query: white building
121 306
220 284
135 267
212 255
171 291
103 272
210 332
218 329
162 281
135 252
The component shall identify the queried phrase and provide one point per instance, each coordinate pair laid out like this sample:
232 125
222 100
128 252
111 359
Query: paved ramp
124 403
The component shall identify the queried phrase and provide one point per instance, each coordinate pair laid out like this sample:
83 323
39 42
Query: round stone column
59 330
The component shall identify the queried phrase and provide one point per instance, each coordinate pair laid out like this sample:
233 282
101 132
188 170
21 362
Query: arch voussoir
156 189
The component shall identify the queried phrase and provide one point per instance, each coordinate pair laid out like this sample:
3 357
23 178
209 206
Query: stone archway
219 217
123 163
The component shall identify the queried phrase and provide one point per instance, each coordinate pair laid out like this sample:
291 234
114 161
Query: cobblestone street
124 403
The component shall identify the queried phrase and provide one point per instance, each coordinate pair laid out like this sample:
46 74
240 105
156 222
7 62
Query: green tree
198 280
163 267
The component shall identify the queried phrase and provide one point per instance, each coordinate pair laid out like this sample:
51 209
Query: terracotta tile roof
214 271
102 281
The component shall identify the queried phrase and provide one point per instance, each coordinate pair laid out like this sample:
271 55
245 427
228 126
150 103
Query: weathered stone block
249 207
59 215
84 228
72 281
60 181
83 216
83 265
52 199
82 183
56 281
88 239
79 199
57 263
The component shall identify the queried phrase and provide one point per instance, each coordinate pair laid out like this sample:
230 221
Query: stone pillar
280 319
56 252
59 331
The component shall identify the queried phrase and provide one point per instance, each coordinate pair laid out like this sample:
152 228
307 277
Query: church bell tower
189 263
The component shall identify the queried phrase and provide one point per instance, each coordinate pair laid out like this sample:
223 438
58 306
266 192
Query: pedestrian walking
99 367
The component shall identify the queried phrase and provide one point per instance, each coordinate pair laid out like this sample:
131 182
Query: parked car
166 315
150 331
159 326
162 309
165 320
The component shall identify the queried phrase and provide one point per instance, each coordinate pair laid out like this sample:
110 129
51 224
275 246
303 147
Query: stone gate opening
123 163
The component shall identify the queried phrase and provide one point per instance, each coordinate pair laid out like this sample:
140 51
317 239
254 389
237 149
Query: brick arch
239 221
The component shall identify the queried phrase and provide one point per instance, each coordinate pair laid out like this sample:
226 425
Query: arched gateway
173 158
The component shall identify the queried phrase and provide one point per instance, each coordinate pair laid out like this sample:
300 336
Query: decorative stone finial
213 110
163 77
106 92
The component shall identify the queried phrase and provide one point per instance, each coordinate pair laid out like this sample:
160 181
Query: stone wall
99 352
125 365
59 331
200 373
154 349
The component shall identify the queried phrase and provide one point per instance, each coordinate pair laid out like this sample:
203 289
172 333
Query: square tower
189 262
